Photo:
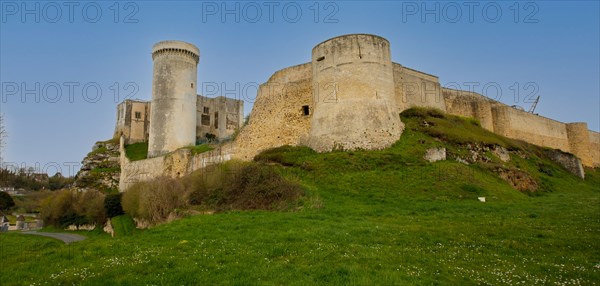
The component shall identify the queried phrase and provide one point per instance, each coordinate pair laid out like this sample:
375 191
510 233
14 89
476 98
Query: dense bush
6 201
112 205
258 186
230 186
154 201
67 207
242 186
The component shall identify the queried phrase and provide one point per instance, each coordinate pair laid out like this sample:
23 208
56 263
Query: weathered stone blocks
354 95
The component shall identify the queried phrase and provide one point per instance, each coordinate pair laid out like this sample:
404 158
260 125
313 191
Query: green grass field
368 218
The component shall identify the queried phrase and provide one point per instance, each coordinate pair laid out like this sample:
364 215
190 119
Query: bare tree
3 135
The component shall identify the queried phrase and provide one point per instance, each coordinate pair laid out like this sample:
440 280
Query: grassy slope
386 217
137 151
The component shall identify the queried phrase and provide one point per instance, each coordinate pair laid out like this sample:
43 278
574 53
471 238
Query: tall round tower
173 109
353 88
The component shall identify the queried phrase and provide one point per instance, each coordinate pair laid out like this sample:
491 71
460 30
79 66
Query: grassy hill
368 218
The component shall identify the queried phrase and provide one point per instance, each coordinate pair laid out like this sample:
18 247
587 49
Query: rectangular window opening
306 110
138 115
320 59
205 120
206 110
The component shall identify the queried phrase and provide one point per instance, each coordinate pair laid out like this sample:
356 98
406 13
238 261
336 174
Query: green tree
6 201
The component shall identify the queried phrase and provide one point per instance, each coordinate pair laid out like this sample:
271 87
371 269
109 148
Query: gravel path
65 237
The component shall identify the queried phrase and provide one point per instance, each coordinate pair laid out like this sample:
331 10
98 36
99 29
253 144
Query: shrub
154 201
130 201
90 204
55 207
6 201
229 186
112 205
242 186
68 207
258 186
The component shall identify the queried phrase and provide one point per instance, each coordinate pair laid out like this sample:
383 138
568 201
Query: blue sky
65 53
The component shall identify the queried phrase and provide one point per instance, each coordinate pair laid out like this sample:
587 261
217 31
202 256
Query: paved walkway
65 237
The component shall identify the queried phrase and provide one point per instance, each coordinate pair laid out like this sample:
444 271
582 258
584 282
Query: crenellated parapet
176 48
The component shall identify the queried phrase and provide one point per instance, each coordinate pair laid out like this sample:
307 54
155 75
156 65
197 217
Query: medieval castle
348 96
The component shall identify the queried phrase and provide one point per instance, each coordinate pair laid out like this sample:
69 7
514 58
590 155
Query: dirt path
65 237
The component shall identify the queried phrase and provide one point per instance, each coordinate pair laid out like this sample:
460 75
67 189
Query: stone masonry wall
579 141
470 104
175 164
505 120
416 89
594 148
277 117
531 128
129 125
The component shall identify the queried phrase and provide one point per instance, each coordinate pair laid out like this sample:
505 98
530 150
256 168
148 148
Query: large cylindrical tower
353 88
174 83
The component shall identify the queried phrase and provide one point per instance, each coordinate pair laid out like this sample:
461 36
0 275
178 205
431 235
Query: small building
217 118
133 121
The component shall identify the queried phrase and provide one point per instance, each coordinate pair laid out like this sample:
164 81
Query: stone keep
353 95
173 113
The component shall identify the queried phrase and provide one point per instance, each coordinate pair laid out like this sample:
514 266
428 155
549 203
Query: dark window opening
206 110
192 85
305 110
320 59
138 115
216 120
205 119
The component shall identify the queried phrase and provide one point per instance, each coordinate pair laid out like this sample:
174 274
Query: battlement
176 48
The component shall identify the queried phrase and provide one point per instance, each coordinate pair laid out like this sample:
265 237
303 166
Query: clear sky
64 66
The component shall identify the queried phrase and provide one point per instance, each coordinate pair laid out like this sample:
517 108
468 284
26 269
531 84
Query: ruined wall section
140 114
278 117
416 89
219 116
133 120
174 165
